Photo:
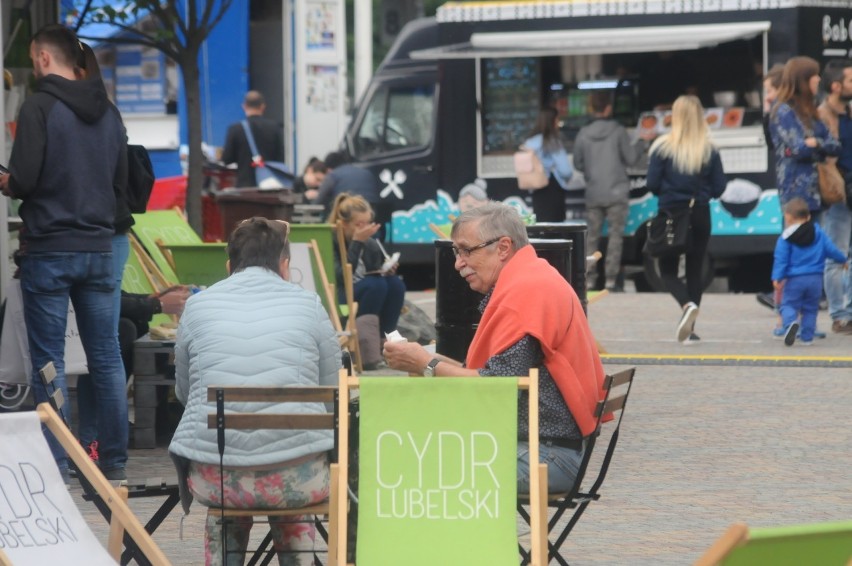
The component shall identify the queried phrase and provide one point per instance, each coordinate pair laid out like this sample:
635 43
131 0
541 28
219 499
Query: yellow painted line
729 360
722 357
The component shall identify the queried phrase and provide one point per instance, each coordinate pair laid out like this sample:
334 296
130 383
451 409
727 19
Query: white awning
595 41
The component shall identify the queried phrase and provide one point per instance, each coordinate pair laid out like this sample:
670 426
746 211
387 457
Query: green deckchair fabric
824 543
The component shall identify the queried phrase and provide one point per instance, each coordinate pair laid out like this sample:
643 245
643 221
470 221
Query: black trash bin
457 305
575 231
236 205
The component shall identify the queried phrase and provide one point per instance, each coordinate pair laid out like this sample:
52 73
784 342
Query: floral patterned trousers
299 485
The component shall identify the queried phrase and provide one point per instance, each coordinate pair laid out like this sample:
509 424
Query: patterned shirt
555 419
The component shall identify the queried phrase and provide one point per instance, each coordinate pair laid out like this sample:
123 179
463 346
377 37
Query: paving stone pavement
701 447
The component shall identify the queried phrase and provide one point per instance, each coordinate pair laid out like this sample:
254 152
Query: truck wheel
652 273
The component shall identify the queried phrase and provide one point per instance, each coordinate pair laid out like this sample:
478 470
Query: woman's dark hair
258 242
795 88
87 66
316 165
545 125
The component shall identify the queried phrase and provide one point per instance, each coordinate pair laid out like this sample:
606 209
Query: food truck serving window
398 118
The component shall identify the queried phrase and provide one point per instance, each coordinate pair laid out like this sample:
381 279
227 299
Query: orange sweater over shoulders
532 298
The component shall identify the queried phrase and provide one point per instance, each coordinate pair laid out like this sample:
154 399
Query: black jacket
269 139
68 165
675 189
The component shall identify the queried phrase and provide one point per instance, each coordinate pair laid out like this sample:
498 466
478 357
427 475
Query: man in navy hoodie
68 162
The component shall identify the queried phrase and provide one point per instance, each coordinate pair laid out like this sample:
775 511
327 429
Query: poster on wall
320 25
319 81
140 80
322 95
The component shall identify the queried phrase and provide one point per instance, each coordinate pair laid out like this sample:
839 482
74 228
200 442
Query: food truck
458 93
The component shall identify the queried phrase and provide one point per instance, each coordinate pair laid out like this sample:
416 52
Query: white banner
15 366
301 272
39 522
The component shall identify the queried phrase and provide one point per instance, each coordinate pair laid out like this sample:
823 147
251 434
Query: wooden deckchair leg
116 530
343 462
542 521
333 511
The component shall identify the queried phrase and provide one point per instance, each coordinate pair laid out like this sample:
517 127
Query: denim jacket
555 163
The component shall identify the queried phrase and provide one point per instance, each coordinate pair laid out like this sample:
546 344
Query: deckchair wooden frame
150 269
348 336
123 518
281 421
538 475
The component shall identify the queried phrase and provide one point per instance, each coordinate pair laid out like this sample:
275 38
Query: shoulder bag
529 170
270 175
832 187
670 231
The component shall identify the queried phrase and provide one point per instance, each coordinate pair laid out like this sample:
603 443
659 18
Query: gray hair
477 189
495 220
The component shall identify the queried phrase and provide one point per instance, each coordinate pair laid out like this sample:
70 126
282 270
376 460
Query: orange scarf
532 298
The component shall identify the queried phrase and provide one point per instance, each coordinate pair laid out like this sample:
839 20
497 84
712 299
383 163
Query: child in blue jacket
799 263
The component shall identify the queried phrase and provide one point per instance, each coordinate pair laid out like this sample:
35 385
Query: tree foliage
177 28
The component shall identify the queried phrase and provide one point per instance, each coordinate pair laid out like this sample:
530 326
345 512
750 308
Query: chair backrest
167 227
324 238
616 391
36 496
821 543
199 264
220 420
426 436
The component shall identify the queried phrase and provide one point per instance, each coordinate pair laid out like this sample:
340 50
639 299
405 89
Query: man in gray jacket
603 152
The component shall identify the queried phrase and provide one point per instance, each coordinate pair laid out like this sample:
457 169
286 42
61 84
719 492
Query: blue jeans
381 296
48 280
837 223
562 466
87 430
801 296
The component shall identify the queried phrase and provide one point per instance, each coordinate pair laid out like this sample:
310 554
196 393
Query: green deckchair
827 544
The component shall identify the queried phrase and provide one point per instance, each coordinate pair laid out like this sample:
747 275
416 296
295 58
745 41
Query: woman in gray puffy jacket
253 328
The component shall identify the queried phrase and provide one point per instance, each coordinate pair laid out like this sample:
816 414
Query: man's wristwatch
429 370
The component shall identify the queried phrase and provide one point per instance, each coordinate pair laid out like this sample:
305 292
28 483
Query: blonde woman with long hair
378 292
685 171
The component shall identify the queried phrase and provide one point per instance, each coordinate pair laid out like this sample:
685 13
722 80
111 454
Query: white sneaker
687 322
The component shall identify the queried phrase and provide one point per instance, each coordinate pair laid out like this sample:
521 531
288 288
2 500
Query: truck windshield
397 118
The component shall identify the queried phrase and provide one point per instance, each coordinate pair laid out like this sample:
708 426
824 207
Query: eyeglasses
465 252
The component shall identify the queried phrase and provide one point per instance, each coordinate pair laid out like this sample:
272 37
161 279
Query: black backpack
140 178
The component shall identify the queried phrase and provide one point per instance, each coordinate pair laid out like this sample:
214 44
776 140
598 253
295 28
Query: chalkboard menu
511 100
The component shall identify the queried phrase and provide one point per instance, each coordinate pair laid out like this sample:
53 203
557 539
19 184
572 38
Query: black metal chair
578 498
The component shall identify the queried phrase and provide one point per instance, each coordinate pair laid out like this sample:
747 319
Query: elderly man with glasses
531 317
253 328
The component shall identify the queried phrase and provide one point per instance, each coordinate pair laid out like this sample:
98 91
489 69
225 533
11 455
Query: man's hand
406 356
4 185
811 142
778 285
174 300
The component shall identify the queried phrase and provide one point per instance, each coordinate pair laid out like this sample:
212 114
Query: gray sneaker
116 476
